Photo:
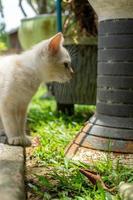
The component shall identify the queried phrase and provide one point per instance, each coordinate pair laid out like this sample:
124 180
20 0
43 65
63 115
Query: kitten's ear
55 43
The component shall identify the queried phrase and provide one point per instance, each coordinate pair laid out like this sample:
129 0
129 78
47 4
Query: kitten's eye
66 65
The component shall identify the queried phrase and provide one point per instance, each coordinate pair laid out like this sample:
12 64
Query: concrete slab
12 173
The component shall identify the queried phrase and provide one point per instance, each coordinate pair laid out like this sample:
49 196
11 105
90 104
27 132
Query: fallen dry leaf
95 178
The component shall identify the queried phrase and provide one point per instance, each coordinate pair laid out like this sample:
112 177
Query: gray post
111 128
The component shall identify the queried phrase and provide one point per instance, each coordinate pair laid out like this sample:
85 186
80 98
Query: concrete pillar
111 128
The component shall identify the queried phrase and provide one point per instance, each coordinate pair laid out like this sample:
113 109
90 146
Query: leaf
95 178
44 181
108 196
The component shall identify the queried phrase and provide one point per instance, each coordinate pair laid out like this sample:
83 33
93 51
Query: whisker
73 50
73 54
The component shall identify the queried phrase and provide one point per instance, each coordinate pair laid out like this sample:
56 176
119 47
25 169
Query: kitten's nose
71 71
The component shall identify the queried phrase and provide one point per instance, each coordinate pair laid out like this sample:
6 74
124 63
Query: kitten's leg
1 128
11 126
3 137
22 118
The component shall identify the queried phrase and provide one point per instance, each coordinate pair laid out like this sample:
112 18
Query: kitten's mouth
63 79
66 80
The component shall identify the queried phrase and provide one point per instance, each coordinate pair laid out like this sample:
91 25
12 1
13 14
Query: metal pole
59 17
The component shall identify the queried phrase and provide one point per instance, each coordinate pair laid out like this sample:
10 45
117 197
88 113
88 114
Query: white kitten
20 77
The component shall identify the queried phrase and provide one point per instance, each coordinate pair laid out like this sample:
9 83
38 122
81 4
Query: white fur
20 77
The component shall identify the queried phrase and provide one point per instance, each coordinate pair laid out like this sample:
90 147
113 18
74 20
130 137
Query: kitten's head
55 60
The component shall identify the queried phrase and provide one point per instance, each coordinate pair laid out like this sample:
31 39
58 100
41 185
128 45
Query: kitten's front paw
19 141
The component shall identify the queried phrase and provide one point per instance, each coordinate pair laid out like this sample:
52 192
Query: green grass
63 181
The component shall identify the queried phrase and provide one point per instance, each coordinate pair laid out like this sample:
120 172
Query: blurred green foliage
3 37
